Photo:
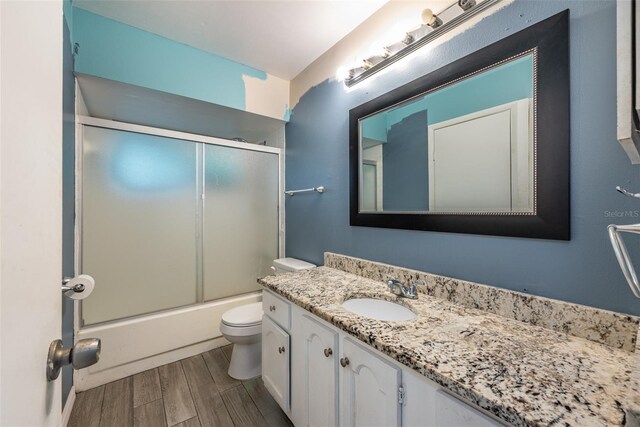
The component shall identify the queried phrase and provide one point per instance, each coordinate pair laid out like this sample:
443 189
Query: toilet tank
285 265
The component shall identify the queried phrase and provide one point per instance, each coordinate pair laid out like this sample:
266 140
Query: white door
368 388
470 164
321 373
30 209
275 362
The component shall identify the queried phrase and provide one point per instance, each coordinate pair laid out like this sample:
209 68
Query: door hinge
401 395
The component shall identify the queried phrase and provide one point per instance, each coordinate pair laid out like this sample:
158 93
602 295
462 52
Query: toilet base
246 361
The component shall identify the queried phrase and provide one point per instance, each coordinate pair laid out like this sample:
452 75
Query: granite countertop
524 374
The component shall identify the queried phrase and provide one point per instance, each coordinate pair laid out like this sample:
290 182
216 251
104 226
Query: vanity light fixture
432 27
466 4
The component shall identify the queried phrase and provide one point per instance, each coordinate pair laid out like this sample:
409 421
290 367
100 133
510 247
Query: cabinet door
275 362
453 412
368 388
320 374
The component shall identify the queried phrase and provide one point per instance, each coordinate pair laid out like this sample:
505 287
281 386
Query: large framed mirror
479 146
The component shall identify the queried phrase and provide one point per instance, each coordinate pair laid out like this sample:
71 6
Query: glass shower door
167 223
240 219
139 209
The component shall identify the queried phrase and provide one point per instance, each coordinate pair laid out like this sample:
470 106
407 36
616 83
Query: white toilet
242 326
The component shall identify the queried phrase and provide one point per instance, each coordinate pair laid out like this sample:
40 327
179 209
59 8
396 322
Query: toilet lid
244 315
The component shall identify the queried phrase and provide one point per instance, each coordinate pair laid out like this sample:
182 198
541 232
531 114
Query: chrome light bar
434 27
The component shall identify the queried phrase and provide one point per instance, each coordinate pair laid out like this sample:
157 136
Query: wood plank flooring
194 392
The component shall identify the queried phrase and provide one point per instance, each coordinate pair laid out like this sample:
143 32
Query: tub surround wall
605 327
524 374
583 270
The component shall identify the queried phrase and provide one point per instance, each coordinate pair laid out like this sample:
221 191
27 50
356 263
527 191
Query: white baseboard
135 367
68 407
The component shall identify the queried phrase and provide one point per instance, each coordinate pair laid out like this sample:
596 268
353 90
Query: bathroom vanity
333 379
460 361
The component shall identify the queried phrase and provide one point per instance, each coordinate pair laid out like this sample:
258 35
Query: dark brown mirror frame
550 218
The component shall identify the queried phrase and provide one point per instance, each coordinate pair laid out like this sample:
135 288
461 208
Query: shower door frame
82 379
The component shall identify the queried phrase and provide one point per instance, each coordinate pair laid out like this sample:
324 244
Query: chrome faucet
405 291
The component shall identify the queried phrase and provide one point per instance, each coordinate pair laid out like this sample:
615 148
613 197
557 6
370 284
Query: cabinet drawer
277 309
276 362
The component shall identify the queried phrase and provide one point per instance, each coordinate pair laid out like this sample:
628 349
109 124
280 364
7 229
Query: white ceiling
279 37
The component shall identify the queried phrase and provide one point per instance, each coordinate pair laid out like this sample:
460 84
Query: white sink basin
378 309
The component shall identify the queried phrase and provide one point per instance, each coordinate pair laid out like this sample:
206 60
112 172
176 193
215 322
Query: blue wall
375 127
405 176
507 83
116 51
582 270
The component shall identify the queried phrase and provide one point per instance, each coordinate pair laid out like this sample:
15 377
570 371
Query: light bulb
427 16
342 74
431 19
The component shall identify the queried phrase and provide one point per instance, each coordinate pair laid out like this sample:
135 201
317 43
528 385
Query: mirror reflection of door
372 173
370 186
480 161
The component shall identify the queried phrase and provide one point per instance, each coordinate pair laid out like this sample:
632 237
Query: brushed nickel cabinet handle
280 350
344 362
328 352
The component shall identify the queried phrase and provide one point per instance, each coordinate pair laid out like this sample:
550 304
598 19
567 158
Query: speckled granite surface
606 327
524 374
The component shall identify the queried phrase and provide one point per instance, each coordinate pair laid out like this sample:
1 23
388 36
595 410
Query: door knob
344 362
328 352
84 353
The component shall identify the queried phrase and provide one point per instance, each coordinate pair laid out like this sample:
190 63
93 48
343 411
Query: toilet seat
244 316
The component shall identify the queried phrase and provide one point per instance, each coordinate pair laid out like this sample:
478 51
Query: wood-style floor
194 392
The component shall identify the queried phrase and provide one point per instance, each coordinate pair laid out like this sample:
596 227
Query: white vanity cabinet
370 388
276 352
334 379
319 374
